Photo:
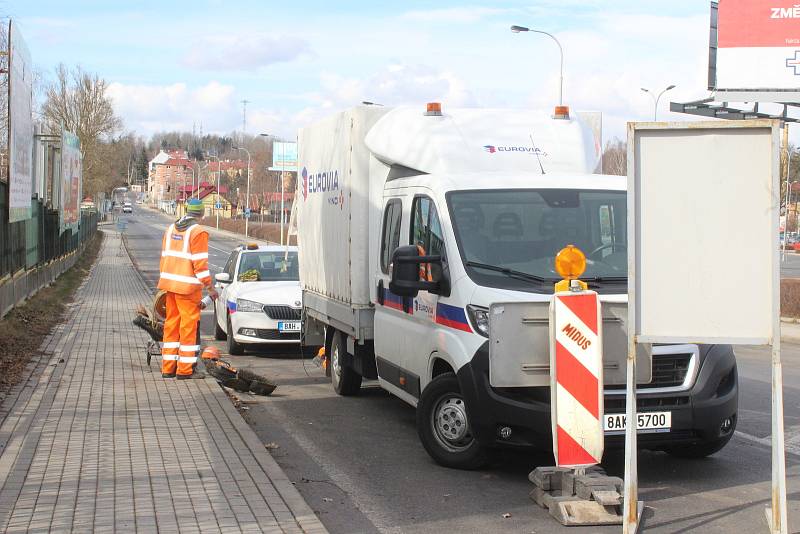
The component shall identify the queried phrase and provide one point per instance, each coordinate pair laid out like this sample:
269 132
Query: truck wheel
219 333
234 348
700 450
345 380
443 425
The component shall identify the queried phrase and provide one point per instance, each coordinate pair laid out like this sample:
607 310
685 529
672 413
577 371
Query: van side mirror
223 278
405 268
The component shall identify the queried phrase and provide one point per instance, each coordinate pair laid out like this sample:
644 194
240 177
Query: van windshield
509 238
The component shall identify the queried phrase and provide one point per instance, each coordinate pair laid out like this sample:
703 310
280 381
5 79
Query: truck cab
464 213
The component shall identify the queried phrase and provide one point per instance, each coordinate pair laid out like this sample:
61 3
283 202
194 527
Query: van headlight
479 318
244 305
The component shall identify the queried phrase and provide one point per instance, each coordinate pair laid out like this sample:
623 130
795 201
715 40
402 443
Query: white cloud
152 108
241 52
452 14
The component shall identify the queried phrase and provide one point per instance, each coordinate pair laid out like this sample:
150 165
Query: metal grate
282 313
669 370
275 335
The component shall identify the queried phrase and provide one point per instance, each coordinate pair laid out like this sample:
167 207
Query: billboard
20 132
284 156
71 179
755 45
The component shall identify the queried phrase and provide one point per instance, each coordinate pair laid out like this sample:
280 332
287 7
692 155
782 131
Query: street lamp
247 215
656 99
219 172
280 177
519 29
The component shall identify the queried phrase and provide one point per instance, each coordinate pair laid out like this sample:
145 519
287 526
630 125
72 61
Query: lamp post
657 98
519 29
216 200
247 215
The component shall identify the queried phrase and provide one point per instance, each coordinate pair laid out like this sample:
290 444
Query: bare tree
78 101
615 157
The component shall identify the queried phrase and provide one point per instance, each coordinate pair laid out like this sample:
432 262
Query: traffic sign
218 205
576 360
247 213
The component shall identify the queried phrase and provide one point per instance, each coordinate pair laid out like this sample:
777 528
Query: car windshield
262 266
509 238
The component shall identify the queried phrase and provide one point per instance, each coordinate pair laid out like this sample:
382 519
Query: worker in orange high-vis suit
184 273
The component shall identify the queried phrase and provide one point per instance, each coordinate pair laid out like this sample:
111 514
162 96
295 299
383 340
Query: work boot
195 375
167 375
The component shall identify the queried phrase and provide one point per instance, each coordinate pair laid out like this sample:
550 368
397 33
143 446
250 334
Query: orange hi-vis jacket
184 260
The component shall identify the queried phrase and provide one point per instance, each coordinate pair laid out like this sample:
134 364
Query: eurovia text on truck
427 241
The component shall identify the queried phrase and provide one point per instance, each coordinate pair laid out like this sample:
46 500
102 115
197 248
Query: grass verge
25 327
265 231
790 297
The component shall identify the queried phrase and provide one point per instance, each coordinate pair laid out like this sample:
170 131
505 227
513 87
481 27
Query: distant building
167 172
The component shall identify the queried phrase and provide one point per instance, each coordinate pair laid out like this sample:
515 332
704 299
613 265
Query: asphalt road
359 464
790 265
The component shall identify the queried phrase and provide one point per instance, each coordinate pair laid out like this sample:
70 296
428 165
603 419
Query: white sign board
71 180
758 45
20 120
704 198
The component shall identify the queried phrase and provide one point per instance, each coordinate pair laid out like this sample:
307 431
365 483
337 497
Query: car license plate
614 423
289 326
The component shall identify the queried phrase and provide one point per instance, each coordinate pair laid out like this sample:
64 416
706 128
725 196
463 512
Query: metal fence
37 241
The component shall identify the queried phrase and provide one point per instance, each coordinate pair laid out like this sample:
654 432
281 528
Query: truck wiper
528 277
601 279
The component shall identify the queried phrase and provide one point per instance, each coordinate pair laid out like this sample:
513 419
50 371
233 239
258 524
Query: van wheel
234 348
345 380
219 333
443 425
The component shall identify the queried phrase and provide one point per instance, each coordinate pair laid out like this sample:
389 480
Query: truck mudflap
698 413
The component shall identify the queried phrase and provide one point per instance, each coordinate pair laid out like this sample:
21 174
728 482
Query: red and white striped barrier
576 370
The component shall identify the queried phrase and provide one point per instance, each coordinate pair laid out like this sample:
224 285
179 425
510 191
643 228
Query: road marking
791 440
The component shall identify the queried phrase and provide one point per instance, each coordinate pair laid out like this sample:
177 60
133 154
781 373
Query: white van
412 222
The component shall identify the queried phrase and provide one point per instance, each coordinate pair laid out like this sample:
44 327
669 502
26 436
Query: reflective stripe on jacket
184 260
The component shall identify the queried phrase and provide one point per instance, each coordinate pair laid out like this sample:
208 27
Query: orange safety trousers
179 348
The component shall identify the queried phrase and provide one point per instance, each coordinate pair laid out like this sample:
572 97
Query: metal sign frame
777 513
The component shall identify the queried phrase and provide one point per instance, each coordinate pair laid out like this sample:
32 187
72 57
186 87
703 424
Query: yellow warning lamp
570 263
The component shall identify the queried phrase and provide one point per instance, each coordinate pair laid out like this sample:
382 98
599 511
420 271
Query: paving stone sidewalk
95 440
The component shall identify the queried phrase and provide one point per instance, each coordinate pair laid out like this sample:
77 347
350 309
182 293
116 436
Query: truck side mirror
405 264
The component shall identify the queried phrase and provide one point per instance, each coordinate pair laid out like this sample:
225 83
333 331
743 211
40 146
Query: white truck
413 223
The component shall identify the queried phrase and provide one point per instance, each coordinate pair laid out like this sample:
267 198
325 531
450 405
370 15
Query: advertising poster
758 44
71 180
20 118
284 156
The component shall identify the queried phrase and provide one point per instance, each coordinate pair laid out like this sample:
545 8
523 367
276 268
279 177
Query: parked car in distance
260 297
127 207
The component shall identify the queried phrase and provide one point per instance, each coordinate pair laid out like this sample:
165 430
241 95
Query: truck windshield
509 238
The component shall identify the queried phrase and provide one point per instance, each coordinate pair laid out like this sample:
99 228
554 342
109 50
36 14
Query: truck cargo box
333 206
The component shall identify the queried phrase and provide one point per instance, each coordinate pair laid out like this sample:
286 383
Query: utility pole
244 118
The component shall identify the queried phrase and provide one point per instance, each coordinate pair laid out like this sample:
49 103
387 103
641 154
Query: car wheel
443 425
700 450
219 333
345 380
234 348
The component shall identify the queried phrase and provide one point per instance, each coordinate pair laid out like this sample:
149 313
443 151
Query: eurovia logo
323 182
493 149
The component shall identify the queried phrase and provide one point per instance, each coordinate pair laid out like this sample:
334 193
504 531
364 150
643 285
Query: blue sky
172 64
